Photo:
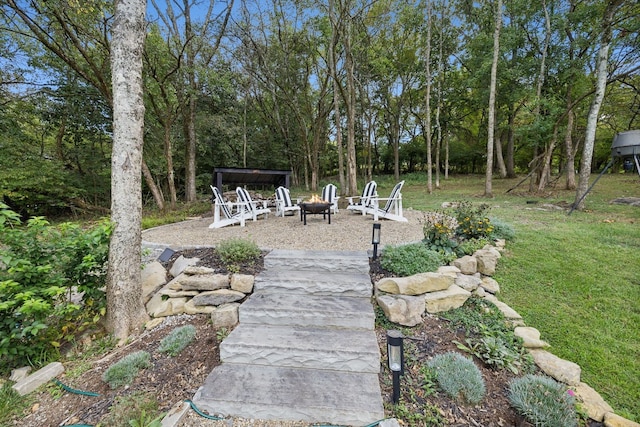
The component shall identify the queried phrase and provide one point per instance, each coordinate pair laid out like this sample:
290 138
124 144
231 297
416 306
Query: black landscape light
375 239
395 358
166 255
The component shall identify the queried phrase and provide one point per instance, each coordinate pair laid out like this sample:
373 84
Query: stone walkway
305 348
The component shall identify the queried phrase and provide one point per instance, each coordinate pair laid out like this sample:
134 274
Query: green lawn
576 278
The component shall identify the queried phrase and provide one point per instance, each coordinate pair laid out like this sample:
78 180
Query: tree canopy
331 91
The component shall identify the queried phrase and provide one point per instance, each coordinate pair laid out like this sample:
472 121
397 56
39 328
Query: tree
125 308
488 192
601 85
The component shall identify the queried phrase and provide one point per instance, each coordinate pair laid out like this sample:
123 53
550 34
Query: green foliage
221 334
410 259
177 340
501 230
44 265
542 401
234 252
126 369
489 338
472 220
133 410
458 376
12 405
468 247
439 229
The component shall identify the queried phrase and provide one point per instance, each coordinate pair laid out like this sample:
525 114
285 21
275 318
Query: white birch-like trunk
125 308
488 191
592 118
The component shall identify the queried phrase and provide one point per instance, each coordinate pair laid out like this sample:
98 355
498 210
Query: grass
573 277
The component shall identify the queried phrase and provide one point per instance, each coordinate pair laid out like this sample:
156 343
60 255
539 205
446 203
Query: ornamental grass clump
177 340
126 369
458 376
542 401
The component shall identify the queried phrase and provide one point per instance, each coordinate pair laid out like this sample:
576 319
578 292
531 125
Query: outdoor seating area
228 211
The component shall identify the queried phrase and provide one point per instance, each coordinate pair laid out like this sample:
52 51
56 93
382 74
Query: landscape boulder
218 297
449 299
467 264
180 264
562 370
415 285
402 309
225 316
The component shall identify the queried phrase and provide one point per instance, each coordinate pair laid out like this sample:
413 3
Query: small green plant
177 340
221 334
146 420
468 247
410 259
458 376
12 405
134 410
234 252
494 352
542 401
125 370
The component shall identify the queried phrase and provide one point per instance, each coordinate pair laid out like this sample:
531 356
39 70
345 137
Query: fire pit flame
316 199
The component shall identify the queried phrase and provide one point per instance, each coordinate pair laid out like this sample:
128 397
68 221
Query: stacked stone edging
405 300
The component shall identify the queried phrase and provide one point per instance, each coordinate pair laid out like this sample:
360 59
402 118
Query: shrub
501 230
458 376
472 221
439 229
234 252
410 259
542 401
43 264
126 369
135 409
468 247
177 340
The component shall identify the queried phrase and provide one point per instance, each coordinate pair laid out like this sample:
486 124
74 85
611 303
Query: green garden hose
75 391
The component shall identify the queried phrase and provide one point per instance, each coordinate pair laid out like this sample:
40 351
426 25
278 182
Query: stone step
268 308
293 394
321 261
315 283
352 350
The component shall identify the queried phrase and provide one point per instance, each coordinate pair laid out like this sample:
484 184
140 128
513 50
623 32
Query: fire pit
315 206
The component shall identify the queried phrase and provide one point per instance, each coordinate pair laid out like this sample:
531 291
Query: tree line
338 90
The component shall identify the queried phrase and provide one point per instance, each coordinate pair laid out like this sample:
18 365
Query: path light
375 239
395 357
166 255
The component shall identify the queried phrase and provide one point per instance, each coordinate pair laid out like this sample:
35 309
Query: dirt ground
174 379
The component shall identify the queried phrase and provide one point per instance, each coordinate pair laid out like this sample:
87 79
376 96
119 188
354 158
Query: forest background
340 90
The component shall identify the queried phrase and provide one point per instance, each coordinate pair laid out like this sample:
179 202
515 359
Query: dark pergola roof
250 177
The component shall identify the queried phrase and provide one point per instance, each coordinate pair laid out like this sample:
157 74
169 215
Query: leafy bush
41 266
410 259
542 401
501 230
439 229
472 221
126 369
234 252
177 340
468 247
458 376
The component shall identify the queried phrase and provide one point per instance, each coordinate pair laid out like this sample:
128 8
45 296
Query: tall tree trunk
190 114
427 101
333 69
168 155
155 190
352 179
125 308
592 118
488 191
500 158
511 144
569 150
